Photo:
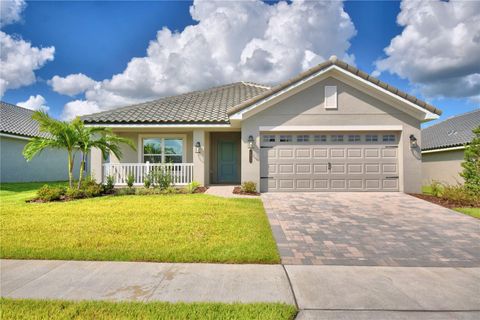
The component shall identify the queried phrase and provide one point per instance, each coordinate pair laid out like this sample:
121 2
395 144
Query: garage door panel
320 166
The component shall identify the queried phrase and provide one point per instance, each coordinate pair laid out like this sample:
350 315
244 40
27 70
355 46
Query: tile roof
18 121
207 106
215 105
455 131
345 66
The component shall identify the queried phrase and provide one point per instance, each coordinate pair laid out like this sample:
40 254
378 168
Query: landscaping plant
109 184
50 193
249 187
162 178
436 188
130 180
192 187
471 164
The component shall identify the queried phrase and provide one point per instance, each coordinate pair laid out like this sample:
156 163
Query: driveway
370 229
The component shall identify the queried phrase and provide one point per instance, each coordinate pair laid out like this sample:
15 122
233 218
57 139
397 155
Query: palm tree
97 137
61 135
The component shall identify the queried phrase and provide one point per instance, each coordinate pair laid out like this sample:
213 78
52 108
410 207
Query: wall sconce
250 142
197 147
413 141
250 148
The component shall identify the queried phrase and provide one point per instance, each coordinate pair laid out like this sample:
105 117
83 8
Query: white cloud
78 108
19 60
72 84
34 103
439 48
232 41
11 11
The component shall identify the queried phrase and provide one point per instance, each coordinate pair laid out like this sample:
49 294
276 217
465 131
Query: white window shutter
330 97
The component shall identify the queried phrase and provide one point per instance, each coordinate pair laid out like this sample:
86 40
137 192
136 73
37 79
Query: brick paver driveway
373 229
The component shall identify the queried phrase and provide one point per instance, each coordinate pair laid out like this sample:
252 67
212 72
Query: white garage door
329 162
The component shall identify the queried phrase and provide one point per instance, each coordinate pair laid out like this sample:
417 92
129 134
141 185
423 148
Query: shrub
471 164
460 194
170 190
436 188
74 193
130 180
49 193
109 184
192 187
162 178
147 182
249 187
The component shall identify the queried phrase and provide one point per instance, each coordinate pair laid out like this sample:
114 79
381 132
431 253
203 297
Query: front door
227 162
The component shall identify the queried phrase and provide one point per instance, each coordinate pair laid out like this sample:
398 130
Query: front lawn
42 309
162 228
474 212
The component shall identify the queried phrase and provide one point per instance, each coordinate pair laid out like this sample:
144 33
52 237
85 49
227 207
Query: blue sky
99 38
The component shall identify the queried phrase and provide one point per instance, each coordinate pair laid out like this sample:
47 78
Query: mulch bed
201 190
238 190
442 202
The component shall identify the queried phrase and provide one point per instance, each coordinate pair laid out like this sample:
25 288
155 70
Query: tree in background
471 163
61 135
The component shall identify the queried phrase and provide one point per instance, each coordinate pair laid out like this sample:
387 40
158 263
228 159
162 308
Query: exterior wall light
250 142
197 147
413 141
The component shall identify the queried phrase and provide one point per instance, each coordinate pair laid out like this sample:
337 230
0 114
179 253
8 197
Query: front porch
207 157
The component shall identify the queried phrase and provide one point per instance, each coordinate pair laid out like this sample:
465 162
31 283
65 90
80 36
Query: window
320 138
330 97
285 138
303 138
163 150
371 138
336 138
269 138
388 138
353 138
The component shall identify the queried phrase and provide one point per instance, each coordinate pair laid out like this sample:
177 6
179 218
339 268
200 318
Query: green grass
474 212
42 309
427 190
163 228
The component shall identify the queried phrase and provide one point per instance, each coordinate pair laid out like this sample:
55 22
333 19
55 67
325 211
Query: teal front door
227 162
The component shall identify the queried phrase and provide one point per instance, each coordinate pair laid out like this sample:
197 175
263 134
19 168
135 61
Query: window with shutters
330 97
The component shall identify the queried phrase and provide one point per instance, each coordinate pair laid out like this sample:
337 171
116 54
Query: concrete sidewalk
320 292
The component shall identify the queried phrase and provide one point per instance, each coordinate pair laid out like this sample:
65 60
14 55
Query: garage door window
303 138
354 138
285 138
371 138
320 138
336 138
269 138
388 138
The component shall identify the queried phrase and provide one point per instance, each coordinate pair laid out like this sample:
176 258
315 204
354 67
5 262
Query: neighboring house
16 128
444 145
330 128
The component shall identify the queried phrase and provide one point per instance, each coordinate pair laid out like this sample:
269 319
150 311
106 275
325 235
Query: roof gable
346 71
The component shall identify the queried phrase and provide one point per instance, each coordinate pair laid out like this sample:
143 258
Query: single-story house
17 128
443 147
330 128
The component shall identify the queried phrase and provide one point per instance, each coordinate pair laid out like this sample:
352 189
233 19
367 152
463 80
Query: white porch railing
182 173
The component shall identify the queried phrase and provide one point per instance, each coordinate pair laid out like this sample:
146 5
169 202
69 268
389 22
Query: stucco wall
354 108
443 167
50 165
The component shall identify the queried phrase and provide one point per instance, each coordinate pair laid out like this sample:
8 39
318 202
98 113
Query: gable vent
330 97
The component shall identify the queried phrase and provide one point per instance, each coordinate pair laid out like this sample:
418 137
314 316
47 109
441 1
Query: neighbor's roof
452 132
208 106
215 105
18 121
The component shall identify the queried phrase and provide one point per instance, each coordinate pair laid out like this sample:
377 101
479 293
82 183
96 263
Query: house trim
331 128
444 149
163 125
13 136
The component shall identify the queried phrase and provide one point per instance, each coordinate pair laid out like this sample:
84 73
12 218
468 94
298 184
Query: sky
78 57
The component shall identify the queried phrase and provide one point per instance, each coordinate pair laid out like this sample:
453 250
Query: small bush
49 193
74 193
192 187
249 187
460 194
170 190
130 180
162 178
436 188
147 182
109 184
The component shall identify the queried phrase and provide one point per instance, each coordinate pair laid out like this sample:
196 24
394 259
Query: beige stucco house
443 148
331 128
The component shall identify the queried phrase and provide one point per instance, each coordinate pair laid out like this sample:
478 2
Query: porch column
199 159
96 170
